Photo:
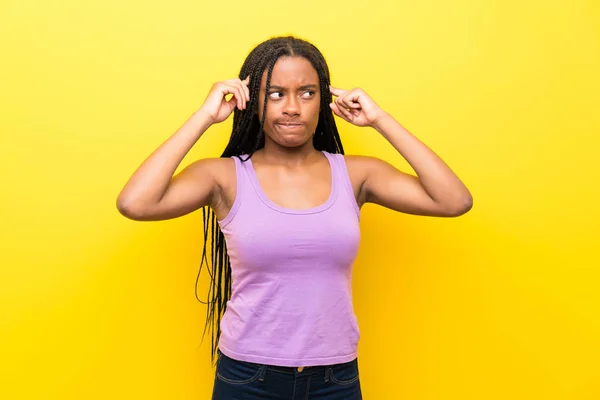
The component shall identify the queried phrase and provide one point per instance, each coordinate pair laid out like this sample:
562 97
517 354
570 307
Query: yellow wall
502 303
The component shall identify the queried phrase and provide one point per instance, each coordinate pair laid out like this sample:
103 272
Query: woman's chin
293 141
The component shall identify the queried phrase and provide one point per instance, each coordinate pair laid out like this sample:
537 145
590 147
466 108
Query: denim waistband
296 370
308 370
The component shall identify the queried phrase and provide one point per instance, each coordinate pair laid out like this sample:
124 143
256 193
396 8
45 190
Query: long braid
261 133
247 136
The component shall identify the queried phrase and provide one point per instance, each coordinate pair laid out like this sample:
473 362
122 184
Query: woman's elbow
461 207
129 209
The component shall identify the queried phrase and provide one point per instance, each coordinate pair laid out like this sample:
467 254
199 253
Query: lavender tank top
291 302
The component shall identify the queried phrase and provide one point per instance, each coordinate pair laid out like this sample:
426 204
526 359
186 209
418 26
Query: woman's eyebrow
310 86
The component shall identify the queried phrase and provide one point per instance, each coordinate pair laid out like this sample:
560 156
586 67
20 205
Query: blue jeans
241 380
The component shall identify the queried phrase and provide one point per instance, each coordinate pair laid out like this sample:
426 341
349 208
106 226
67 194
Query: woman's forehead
292 72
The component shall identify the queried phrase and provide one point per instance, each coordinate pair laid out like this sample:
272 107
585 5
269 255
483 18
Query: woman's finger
240 87
235 90
242 90
336 111
336 92
225 89
344 104
342 108
342 101
350 100
353 103
242 94
231 103
246 83
246 90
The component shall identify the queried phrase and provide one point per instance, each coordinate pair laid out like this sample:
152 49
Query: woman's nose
292 106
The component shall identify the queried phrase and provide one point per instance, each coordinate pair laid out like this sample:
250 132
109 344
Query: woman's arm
435 191
152 193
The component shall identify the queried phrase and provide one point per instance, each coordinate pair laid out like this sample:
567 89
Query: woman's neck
273 153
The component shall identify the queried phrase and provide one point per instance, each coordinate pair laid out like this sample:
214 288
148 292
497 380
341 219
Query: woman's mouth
289 125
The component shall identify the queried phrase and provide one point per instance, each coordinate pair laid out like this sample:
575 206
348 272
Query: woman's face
293 103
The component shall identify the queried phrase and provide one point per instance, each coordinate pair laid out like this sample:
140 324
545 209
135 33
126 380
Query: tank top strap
342 176
241 183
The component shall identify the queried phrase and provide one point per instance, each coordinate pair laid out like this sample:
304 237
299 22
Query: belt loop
218 361
263 372
327 374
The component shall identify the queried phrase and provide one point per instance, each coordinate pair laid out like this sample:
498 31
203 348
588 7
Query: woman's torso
302 189
292 236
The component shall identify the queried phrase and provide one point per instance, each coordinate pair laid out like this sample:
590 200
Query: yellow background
502 303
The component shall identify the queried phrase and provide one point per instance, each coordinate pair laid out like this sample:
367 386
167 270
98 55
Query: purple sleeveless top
291 302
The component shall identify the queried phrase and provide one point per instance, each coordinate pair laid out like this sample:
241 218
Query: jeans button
300 369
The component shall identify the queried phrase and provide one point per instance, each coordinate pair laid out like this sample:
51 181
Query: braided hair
247 137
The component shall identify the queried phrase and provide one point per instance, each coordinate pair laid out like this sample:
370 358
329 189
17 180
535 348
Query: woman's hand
356 107
216 108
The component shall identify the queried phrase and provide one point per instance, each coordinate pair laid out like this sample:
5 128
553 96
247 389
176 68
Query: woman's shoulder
358 163
360 159
216 165
222 172
360 167
221 169
364 163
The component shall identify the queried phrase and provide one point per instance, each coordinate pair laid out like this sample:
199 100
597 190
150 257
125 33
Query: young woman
283 216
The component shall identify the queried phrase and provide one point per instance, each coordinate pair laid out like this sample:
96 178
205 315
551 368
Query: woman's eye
277 95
